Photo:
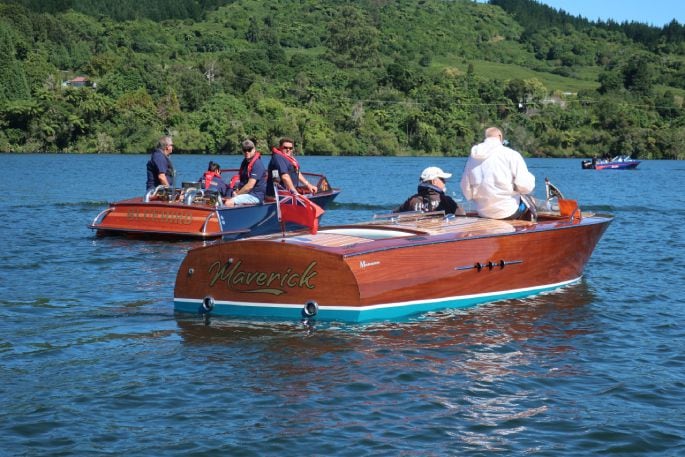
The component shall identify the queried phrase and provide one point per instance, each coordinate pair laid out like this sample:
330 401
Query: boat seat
211 197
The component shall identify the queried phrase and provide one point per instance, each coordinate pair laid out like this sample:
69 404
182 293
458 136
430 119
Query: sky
652 12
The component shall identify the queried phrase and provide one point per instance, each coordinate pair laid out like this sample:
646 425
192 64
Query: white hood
485 149
495 176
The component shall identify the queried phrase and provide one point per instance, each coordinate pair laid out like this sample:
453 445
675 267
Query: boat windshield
368 233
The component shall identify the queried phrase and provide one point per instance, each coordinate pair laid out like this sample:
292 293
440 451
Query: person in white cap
430 195
495 177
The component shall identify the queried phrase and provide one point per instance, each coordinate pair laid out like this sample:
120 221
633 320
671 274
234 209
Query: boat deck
407 225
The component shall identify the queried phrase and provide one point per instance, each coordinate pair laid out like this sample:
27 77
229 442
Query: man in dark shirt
252 178
160 170
287 169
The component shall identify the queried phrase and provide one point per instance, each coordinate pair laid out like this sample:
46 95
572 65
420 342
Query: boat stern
231 279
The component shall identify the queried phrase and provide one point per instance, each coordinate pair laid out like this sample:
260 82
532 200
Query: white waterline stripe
384 305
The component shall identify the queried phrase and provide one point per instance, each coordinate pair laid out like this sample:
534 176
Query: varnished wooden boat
191 213
389 268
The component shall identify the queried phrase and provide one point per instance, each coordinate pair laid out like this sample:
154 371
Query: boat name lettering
266 282
171 217
364 263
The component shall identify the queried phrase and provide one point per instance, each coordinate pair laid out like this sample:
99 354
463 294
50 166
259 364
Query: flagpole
276 179
295 208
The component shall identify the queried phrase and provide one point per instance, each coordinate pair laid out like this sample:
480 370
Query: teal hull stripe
361 313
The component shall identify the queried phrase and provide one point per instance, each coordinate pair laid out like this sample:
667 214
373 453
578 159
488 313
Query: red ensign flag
298 209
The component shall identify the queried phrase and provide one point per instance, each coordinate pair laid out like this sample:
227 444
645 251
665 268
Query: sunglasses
287 148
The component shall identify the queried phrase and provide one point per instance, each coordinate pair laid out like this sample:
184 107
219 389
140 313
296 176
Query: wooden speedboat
617 163
394 266
190 212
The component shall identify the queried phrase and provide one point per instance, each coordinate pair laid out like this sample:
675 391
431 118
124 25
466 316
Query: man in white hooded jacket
495 177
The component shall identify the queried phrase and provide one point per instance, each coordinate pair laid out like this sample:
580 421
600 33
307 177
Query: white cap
431 173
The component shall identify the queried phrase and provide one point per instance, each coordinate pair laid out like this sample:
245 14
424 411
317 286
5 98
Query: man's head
215 167
165 144
286 145
494 132
435 176
248 148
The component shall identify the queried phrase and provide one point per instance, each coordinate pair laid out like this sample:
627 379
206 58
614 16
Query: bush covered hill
366 77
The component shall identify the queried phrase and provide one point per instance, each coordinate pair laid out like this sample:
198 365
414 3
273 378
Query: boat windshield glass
371 234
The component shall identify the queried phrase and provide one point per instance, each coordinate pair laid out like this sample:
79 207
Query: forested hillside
368 77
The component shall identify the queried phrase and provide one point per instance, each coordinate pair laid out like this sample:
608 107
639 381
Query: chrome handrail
101 215
208 218
152 192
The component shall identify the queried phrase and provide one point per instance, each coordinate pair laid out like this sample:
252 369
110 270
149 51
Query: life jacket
208 177
287 157
244 170
424 202
429 198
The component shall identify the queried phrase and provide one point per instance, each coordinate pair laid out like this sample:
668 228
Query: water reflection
561 314
475 374
133 243
486 343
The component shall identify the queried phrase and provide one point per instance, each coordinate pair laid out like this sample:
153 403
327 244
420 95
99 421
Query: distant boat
391 267
193 213
623 162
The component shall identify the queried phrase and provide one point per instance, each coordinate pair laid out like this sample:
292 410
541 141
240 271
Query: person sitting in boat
287 169
430 195
495 177
250 185
211 180
160 170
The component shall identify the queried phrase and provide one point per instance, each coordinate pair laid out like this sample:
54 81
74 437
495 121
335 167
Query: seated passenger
495 177
251 186
287 169
430 195
211 180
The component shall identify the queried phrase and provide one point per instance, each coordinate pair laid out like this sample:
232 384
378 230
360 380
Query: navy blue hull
239 222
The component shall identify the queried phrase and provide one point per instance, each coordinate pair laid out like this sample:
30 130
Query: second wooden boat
191 213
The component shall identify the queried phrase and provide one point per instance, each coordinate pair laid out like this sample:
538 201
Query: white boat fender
207 305
310 309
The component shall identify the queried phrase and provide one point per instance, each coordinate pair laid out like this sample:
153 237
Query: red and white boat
193 213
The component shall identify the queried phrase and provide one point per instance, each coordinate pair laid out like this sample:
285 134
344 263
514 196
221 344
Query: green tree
638 75
352 40
13 84
610 80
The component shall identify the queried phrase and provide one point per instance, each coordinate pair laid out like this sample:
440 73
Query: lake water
93 360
